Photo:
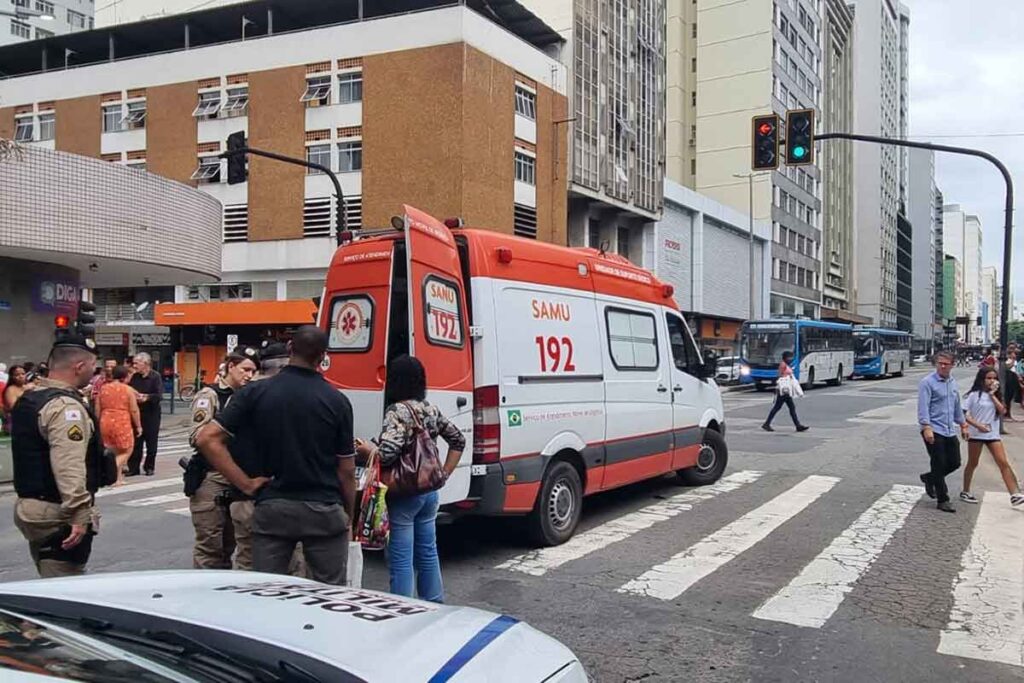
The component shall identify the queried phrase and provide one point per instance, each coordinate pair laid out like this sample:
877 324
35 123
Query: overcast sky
966 78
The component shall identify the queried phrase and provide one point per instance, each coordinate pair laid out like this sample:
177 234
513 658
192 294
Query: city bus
880 352
822 351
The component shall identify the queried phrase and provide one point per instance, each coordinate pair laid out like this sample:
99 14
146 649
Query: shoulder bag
418 469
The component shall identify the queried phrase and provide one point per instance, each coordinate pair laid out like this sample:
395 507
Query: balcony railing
109 313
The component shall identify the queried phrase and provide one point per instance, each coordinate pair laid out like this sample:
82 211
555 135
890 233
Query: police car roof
372 635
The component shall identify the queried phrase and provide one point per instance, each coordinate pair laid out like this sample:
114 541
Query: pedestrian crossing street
986 621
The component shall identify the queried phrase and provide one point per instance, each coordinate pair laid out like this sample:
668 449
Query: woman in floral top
413 545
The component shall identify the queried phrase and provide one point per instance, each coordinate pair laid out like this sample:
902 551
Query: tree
1015 331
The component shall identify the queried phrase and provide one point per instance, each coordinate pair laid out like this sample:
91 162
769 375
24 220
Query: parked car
728 369
156 626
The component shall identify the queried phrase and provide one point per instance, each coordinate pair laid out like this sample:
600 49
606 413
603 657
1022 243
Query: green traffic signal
799 152
800 136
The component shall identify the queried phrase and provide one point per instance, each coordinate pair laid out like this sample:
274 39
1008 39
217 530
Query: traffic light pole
1008 221
340 223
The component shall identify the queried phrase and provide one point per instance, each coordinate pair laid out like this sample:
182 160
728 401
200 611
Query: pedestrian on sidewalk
300 430
983 406
214 532
1011 391
786 387
412 548
149 389
118 414
939 414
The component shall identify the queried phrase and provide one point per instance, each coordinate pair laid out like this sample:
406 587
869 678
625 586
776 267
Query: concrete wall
921 200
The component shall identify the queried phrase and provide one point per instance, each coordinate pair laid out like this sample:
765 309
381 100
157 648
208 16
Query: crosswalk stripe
539 562
184 512
987 618
670 579
141 486
815 594
156 500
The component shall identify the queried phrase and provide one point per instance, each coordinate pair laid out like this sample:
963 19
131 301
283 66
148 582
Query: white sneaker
968 497
1017 499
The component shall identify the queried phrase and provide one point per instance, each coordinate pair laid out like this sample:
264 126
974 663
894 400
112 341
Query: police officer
215 537
58 462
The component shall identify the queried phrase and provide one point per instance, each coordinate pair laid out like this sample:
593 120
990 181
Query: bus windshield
864 346
766 348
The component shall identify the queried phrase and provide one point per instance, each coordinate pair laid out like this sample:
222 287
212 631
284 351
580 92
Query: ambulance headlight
745 370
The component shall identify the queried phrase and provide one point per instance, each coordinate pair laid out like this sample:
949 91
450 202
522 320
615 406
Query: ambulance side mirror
709 367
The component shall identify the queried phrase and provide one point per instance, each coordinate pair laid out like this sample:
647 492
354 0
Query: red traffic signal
61 322
765 128
765 143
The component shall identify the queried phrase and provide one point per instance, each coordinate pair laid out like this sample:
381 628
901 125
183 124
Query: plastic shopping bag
372 526
354 570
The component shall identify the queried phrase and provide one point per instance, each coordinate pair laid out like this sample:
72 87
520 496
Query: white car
728 369
148 627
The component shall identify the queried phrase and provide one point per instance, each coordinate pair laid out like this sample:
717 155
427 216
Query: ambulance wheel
557 510
711 461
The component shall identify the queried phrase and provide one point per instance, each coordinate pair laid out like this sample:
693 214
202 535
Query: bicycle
186 392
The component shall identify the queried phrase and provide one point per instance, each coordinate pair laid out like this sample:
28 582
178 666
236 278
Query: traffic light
799 137
765 143
237 163
85 324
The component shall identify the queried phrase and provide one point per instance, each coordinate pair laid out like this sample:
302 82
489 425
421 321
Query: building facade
924 214
952 295
24 20
681 94
940 306
614 52
962 239
990 304
443 109
705 251
880 84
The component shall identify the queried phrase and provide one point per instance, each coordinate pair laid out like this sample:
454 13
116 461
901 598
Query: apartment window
44 7
526 168
693 167
209 104
792 273
622 242
47 126
693 98
693 64
76 19
318 91
350 156
112 117
136 116
20 29
318 154
42 33
350 87
23 129
20 3
526 103
693 30
593 233
208 171
237 102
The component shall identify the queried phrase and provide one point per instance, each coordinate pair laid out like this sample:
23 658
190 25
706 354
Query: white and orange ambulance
570 371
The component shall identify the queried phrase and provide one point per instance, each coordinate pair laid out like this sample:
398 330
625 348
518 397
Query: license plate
478 470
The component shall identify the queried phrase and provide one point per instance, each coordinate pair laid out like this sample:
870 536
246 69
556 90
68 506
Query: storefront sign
112 338
151 338
53 295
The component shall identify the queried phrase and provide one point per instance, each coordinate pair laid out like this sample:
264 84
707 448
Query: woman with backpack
411 426
785 388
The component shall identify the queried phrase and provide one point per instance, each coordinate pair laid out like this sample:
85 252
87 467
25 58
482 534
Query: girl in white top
984 409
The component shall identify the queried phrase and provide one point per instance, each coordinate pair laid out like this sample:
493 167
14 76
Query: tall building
962 238
456 112
837 158
681 94
952 294
614 51
990 304
754 58
940 308
924 214
880 84
23 20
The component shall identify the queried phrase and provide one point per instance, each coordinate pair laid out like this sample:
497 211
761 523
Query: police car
148 627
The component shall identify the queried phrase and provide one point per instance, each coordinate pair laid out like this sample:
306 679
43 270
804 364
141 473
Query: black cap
272 349
76 341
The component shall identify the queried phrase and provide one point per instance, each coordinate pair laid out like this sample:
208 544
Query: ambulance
570 371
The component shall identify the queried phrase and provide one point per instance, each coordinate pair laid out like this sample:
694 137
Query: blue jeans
413 546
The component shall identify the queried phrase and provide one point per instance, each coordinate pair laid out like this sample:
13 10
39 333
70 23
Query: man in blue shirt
940 416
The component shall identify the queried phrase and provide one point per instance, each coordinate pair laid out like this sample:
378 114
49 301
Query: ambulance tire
557 510
710 463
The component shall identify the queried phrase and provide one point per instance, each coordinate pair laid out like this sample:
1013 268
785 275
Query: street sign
232 342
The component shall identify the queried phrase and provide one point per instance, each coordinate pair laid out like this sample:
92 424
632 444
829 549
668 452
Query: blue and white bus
880 352
822 351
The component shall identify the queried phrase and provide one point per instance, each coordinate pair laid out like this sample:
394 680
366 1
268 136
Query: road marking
156 500
539 562
670 579
987 618
141 486
184 512
815 594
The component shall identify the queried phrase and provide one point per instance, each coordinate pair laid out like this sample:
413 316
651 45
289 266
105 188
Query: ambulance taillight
486 426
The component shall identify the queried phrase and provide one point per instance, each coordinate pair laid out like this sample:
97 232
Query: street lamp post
750 212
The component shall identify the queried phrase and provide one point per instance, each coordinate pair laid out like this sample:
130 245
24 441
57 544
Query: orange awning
236 313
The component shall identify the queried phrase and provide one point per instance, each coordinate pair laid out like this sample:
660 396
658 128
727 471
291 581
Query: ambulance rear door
439 332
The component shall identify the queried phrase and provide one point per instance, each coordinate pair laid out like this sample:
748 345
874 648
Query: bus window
766 348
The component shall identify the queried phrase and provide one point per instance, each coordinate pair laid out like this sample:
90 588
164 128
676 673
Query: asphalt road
818 558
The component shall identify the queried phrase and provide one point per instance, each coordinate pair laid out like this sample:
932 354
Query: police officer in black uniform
59 462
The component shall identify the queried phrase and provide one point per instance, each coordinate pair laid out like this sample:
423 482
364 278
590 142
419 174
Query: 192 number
552 351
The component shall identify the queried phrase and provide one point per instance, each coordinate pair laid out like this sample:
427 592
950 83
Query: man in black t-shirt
300 430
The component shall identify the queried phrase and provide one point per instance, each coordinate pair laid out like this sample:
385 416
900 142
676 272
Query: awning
300 312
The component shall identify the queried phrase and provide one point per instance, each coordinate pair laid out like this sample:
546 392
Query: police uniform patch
75 433
200 416
72 415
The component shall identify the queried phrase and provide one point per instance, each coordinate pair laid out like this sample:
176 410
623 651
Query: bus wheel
711 461
810 379
557 510
900 373
838 380
886 373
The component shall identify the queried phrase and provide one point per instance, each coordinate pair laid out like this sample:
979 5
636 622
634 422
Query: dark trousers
780 400
150 433
944 454
279 524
